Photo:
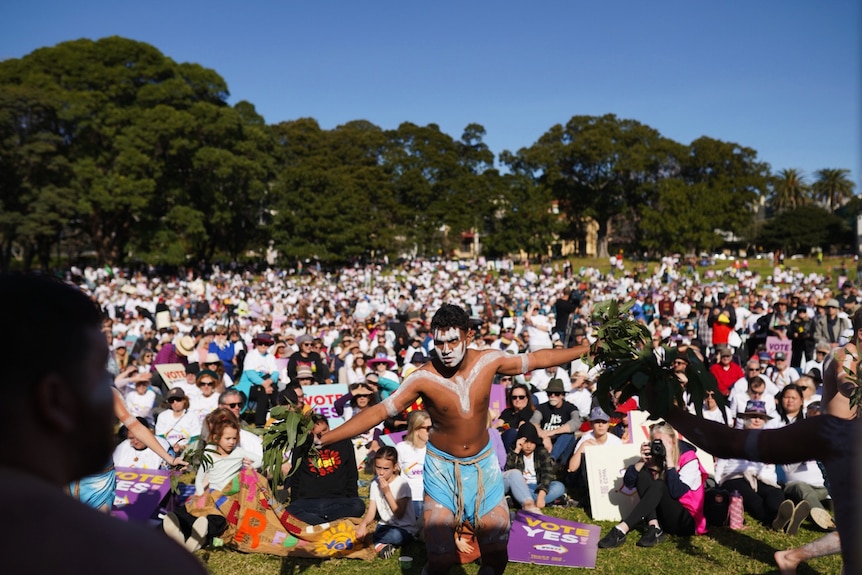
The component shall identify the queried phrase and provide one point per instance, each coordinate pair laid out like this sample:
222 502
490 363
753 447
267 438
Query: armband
129 420
751 450
389 405
525 363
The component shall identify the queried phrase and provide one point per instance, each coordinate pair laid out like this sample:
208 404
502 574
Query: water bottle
735 517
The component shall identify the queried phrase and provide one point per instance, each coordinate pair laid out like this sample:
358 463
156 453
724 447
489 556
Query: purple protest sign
139 492
537 538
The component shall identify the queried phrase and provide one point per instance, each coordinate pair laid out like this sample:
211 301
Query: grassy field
722 551
830 266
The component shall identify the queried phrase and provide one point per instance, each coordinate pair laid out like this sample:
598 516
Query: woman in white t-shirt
207 401
141 400
176 424
411 457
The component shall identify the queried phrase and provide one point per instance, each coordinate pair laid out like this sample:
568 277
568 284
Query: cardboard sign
322 399
172 373
498 399
774 345
536 538
606 465
139 492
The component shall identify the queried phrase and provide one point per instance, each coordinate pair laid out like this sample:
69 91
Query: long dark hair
780 407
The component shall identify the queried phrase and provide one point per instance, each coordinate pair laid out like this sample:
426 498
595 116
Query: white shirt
141 405
202 406
782 378
411 461
127 456
400 490
611 439
741 386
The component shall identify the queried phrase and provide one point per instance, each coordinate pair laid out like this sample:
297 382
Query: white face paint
449 345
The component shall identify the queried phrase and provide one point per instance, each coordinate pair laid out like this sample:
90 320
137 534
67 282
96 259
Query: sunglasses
175 399
553 393
424 427
234 404
519 397
209 383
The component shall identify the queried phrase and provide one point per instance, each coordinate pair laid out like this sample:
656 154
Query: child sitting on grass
228 458
391 498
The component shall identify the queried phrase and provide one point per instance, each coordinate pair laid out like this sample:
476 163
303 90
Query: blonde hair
414 420
666 429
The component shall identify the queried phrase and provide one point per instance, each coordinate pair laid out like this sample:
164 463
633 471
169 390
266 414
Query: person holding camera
670 482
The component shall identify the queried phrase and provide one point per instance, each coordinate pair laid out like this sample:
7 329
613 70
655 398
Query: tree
801 229
833 187
333 199
147 155
790 190
596 166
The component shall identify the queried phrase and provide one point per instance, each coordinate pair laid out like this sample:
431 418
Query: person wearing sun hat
757 482
387 379
557 420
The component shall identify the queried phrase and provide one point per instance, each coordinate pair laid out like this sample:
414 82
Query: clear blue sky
780 76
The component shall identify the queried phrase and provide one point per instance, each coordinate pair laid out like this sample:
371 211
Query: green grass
748 551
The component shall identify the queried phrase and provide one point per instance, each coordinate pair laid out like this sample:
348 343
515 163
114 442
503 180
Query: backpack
716 505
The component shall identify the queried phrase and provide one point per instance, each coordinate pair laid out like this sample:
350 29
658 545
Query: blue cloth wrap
442 486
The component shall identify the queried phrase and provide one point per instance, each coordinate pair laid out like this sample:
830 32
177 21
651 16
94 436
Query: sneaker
784 515
387 551
800 512
822 518
652 537
171 525
614 538
510 503
199 534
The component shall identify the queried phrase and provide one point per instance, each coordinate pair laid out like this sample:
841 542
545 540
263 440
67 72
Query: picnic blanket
257 523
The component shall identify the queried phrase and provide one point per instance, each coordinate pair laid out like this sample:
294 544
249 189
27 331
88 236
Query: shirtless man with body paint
463 481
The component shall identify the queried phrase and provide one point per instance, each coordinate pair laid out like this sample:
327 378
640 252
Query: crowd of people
371 328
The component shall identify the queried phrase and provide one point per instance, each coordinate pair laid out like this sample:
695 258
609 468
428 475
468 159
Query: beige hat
186 345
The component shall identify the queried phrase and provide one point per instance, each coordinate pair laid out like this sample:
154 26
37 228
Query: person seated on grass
228 458
529 474
391 498
132 452
325 485
576 475
757 482
518 413
670 483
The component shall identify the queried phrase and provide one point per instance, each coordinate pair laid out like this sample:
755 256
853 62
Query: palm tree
790 190
833 187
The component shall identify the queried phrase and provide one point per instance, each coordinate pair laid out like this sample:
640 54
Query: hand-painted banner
139 492
537 538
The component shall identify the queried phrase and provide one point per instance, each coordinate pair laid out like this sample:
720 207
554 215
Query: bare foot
531 507
786 562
